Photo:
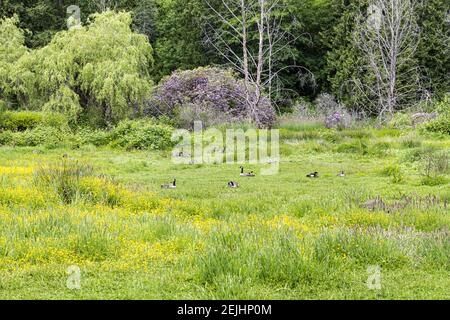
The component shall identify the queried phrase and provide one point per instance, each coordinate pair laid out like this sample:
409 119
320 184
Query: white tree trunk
388 39
258 68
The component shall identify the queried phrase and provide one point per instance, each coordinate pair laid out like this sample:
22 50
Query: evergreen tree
179 34
343 59
433 50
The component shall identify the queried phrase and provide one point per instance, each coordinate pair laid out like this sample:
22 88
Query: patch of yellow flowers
117 224
283 221
25 196
16 171
44 231
361 218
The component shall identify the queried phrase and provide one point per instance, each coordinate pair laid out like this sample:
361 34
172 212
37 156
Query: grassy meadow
283 236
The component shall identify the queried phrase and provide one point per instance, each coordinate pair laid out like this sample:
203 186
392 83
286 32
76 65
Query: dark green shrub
433 181
25 120
19 121
95 137
54 120
394 172
6 137
442 123
439 125
142 134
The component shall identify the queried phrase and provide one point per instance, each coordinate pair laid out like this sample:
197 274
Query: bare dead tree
104 5
388 39
241 22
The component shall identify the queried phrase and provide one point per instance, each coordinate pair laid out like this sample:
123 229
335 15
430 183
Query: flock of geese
234 184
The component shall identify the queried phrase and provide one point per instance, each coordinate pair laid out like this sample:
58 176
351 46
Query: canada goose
170 186
246 174
233 184
219 150
183 154
313 175
341 174
65 156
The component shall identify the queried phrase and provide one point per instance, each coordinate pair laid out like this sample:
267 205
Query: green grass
276 237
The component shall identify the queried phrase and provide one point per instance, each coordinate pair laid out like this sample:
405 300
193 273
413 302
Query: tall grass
275 237
63 178
261 256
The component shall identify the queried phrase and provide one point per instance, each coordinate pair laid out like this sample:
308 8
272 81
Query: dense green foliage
102 67
345 63
433 47
142 134
178 29
32 129
323 45
21 121
11 49
442 123
51 130
342 61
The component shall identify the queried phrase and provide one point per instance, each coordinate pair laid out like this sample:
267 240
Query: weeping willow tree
101 69
12 47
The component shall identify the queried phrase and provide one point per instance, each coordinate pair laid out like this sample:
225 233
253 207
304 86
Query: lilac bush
336 115
334 121
212 95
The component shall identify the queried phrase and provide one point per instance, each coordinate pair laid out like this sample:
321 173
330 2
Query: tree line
285 49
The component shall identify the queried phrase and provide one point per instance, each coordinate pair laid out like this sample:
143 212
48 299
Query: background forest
117 65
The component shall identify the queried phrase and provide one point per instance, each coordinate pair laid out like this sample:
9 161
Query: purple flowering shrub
336 120
211 95
336 116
